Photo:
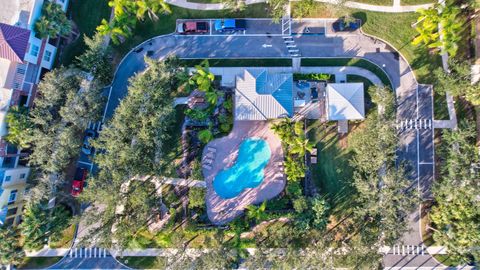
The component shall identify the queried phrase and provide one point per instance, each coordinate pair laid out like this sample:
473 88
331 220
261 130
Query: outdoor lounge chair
207 167
211 149
210 155
207 161
314 152
313 160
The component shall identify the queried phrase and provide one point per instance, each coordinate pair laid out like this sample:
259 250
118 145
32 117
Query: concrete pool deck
221 211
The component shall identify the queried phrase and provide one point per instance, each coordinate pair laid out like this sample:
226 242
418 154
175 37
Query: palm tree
53 21
202 77
19 126
256 213
205 136
151 7
301 146
10 250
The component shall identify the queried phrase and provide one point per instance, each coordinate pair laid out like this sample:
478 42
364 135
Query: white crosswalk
414 124
92 252
95 126
408 250
291 46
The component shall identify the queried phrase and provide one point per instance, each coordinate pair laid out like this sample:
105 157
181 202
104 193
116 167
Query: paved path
415 102
396 8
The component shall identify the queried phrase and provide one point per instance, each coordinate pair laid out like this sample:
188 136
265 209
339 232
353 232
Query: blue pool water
248 170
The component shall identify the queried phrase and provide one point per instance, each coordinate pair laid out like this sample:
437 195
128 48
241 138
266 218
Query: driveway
414 101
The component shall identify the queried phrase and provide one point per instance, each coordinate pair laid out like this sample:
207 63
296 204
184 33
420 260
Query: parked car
79 181
230 25
346 25
195 27
87 148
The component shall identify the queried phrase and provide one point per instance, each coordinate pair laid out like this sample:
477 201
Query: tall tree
19 126
133 144
456 216
53 21
97 59
10 249
40 224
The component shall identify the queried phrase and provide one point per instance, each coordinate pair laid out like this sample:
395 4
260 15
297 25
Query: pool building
246 167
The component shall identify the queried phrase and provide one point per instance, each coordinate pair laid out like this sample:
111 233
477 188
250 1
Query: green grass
417 2
205 1
87 15
38 262
166 23
440 109
280 62
447 260
332 173
357 62
144 262
355 78
395 28
377 2
314 76
66 240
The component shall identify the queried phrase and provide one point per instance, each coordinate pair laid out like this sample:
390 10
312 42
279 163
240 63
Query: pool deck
221 211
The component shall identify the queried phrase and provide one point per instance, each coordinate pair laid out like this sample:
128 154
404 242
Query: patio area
224 152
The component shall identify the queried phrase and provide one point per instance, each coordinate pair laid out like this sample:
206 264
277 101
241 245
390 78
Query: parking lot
267 27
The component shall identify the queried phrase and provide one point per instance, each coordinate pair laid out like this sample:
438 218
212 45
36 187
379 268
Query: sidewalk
396 8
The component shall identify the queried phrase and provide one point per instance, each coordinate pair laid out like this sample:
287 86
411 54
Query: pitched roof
345 101
13 42
261 95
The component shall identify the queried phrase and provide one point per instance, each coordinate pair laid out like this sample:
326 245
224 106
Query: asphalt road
414 101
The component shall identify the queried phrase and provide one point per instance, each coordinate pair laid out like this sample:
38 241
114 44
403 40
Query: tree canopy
132 144
456 215
53 21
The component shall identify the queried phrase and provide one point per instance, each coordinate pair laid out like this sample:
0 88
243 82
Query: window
13 196
22 176
34 50
8 178
12 211
47 56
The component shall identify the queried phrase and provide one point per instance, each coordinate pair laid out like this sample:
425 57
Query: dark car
79 181
346 25
197 27
230 25
87 148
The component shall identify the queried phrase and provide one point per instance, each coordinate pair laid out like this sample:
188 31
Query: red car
192 28
78 181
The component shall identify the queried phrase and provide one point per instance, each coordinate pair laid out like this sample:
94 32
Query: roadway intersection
415 102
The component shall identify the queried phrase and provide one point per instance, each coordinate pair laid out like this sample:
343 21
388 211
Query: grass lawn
87 15
392 27
280 62
332 173
144 262
205 1
440 109
66 240
38 262
416 2
166 23
357 62
376 2
355 78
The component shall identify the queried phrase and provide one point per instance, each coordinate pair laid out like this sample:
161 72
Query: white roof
345 101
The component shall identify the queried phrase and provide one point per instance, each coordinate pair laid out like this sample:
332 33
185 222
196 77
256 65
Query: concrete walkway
452 123
229 74
48 252
396 8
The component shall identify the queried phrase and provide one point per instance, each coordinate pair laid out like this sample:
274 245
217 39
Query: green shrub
205 136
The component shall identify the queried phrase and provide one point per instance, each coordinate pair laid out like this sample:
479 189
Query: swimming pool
248 170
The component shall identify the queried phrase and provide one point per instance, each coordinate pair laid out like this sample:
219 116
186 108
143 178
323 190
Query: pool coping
221 211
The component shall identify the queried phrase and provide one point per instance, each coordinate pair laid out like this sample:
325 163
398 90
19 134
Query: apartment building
23 58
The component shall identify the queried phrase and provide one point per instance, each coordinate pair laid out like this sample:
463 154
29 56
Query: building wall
12 192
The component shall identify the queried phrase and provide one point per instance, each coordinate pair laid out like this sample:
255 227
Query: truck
224 25
192 27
